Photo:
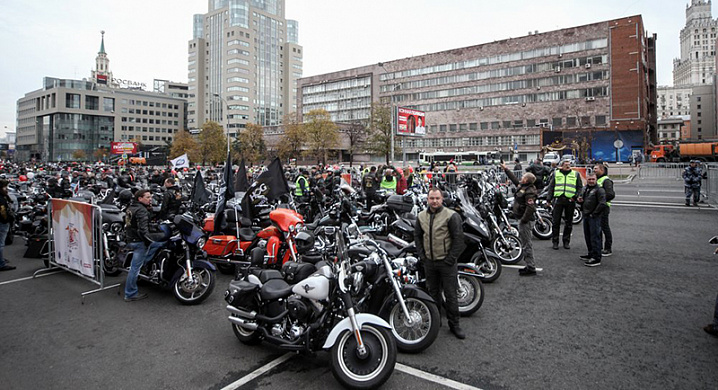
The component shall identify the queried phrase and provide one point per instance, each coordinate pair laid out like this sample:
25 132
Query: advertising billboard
124 147
411 122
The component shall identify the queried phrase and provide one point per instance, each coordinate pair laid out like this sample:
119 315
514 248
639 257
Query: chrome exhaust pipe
242 313
242 323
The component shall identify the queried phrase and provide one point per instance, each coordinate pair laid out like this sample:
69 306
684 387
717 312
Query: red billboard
411 122
124 147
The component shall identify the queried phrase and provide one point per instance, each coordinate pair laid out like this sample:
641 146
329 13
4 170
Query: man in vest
389 181
563 190
607 184
369 185
301 186
439 240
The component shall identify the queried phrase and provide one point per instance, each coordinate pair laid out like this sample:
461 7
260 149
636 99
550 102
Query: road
633 322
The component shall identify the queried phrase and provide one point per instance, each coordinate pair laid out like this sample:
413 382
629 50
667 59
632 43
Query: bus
460 158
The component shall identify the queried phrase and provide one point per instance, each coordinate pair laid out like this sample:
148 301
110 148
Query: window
463 127
531 123
571 121
556 122
484 125
473 126
92 102
495 125
442 128
72 100
585 121
452 127
600 120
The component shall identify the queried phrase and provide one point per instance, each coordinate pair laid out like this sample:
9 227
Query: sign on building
411 122
124 147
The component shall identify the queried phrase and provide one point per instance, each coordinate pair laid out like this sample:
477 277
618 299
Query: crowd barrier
671 174
76 242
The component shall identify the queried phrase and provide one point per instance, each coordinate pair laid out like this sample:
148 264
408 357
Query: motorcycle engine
298 309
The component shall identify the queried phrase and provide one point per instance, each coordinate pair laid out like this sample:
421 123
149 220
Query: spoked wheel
470 295
419 333
508 249
194 290
490 267
110 263
543 228
577 216
368 370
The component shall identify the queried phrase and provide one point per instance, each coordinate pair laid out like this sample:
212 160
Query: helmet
305 242
30 175
125 196
22 178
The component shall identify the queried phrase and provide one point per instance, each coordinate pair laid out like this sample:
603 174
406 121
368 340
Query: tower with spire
698 46
102 74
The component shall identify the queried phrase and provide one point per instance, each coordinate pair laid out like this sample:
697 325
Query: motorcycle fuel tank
313 287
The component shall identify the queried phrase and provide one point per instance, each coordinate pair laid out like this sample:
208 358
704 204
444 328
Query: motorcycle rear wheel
543 230
195 291
421 333
366 372
508 250
246 336
470 295
577 216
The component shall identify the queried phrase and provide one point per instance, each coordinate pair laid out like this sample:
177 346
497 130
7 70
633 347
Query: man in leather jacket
540 171
524 210
140 240
593 203
171 200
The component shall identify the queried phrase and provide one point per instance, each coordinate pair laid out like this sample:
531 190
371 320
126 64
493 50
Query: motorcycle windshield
465 204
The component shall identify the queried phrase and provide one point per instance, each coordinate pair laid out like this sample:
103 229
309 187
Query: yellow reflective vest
565 184
600 183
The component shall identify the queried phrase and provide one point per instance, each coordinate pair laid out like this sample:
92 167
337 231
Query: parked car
550 158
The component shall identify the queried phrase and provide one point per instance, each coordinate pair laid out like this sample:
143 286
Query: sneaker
711 329
7 268
592 263
136 297
526 271
606 252
585 257
458 332
555 245
566 245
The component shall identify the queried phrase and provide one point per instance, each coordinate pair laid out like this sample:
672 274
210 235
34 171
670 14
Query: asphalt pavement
633 322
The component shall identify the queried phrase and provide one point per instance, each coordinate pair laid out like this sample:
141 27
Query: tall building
579 88
66 116
674 101
698 44
244 62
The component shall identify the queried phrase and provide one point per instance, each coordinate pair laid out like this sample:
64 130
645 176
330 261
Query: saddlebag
220 245
294 272
36 247
400 203
239 292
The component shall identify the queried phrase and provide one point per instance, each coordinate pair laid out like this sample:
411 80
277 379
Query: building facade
698 44
674 101
671 129
243 61
577 88
703 113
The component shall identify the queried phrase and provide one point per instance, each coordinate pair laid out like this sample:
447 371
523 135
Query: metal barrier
76 225
670 175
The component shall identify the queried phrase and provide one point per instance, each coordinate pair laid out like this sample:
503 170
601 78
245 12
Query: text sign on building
124 147
411 122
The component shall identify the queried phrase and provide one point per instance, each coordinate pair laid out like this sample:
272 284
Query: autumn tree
100 154
356 134
183 143
293 140
212 143
322 134
380 131
79 154
251 143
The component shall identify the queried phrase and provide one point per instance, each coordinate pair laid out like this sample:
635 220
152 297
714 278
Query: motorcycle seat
266 275
392 250
246 234
275 289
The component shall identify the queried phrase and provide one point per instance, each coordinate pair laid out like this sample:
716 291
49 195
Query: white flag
181 161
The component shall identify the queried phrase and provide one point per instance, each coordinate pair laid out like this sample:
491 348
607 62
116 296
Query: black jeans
592 234
442 276
563 209
606 230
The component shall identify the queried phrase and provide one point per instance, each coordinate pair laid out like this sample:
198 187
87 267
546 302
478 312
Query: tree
183 143
380 130
79 155
293 140
357 134
212 143
252 144
100 154
322 134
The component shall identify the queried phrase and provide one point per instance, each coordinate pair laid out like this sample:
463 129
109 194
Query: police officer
563 190
369 185
388 182
692 176
607 184
301 185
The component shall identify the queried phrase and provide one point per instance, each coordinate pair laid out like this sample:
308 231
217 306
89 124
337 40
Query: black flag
226 192
241 184
268 187
199 192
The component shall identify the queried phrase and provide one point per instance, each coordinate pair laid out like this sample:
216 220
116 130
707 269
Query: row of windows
238 80
237 61
337 85
238 51
238 42
500 58
72 100
126 137
133 102
151 121
336 95
238 70
149 129
569 122
490 140
239 89
150 112
496 73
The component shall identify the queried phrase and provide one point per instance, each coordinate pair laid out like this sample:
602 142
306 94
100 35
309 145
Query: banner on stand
73 227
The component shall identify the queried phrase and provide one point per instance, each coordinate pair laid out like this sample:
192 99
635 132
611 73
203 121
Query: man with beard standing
563 189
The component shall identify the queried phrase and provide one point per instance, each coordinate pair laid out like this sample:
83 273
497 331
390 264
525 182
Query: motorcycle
178 264
317 313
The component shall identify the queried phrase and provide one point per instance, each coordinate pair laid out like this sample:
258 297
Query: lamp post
393 119
226 117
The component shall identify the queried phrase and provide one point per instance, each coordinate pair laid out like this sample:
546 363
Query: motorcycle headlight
116 227
357 282
106 227
201 241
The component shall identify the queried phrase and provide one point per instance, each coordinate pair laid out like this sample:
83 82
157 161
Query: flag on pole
268 187
199 192
241 184
181 161
226 192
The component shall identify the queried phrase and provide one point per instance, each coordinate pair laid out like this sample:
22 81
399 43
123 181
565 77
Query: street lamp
391 101
227 117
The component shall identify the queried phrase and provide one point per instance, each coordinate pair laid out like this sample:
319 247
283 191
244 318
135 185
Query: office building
574 89
698 46
244 61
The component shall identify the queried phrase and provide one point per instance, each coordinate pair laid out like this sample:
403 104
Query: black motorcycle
178 264
315 314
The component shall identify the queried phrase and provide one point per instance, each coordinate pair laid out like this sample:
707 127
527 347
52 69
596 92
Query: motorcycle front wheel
577 215
370 370
420 333
543 228
192 291
470 295
490 267
508 249
111 267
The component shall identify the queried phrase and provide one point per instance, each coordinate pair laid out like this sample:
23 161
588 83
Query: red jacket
401 186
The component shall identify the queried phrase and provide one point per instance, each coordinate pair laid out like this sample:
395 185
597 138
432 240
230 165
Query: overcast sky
147 39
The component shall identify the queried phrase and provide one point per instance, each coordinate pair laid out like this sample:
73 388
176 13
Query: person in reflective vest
388 182
301 186
607 184
563 190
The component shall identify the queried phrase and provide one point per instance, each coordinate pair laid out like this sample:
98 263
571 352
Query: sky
147 39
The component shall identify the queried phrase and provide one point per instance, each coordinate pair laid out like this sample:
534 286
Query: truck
701 151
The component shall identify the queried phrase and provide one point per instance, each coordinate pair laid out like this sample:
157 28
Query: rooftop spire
102 45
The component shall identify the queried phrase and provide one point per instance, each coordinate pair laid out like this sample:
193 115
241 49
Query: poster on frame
72 222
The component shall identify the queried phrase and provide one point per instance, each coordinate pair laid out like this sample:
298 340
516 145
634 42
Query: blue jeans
4 228
141 254
592 235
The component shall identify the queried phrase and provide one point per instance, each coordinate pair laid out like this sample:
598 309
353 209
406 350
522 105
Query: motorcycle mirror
713 240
